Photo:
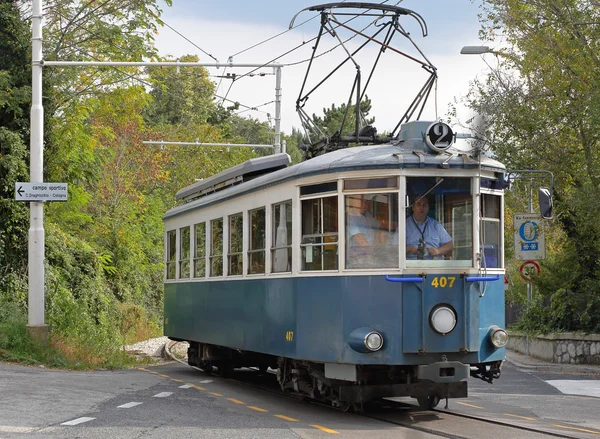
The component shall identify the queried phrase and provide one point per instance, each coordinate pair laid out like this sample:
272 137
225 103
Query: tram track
385 411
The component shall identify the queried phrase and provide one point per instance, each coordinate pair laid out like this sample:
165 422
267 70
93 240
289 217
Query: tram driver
426 238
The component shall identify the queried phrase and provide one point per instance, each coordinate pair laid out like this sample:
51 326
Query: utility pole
36 250
36 326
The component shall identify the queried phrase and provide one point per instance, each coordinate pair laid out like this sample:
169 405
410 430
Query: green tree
182 96
15 98
337 119
543 108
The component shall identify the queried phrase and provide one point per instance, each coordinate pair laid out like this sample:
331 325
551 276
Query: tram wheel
428 402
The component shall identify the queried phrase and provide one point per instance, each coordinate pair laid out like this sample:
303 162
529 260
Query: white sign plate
530 244
41 192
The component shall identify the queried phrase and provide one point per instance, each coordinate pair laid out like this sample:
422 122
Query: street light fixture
475 50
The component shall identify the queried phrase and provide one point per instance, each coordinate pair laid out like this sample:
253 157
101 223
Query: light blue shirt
432 232
362 224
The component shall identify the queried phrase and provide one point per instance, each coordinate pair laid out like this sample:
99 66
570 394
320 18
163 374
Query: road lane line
205 381
197 387
163 375
15 429
163 394
469 405
521 417
286 418
237 401
258 409
78 421
578 429
128 405
325 429
176 380
186 386
214 393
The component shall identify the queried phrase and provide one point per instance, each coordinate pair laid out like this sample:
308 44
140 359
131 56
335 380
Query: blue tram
261 269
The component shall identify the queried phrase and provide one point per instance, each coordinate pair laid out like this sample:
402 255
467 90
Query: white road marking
78 421
185 386
128 405
163 394
206 381
577 387
15 429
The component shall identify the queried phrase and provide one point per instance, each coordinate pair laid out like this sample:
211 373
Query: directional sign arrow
20 191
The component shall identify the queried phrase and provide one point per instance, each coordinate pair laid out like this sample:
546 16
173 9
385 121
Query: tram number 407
443 282
289 336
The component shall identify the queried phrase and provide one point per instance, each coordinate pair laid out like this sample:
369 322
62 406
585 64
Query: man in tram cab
426 238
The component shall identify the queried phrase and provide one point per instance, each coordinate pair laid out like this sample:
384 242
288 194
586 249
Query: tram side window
235 256
200 250
281 249
439 222
319 234
371 220
256 244
184 253
171 252
490 231
216 248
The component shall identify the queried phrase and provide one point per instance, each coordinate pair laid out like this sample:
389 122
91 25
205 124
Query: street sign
530 244
529 270
41 192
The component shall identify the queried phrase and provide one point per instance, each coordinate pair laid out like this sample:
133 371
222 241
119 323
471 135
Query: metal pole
36 324
529 284
277 146
166 142
150 64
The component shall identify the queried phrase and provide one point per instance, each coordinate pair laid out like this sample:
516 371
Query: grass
17 346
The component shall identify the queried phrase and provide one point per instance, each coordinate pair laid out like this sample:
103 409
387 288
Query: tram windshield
439 222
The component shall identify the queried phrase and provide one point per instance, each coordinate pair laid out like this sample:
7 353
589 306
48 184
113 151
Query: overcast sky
225 28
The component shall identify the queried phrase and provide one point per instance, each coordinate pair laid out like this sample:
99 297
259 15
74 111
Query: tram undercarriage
371 382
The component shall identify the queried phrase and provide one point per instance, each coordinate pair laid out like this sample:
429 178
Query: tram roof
391 156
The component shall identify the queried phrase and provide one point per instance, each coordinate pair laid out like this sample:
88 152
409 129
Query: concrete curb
560 368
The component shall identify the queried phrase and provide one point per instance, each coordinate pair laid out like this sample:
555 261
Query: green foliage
543 107
342 119
181 96
17 345
15 69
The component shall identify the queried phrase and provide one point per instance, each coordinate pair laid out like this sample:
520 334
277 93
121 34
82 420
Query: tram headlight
373 341
442 319
498 337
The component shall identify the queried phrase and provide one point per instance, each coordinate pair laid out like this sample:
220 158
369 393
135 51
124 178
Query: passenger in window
426 238
363 232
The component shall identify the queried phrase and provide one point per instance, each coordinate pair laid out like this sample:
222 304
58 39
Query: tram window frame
199 259
444 193
371 183
184 252
491 218
216 251
257 252
329 240
235 259
276 263
171 254
382 253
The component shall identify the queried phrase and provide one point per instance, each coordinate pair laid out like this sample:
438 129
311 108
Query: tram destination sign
530 244
42 192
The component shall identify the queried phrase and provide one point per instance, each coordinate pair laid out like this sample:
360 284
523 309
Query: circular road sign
529 270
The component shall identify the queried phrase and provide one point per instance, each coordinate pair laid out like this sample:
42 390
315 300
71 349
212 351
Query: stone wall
570 348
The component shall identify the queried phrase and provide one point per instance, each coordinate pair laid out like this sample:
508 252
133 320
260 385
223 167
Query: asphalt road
175 401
